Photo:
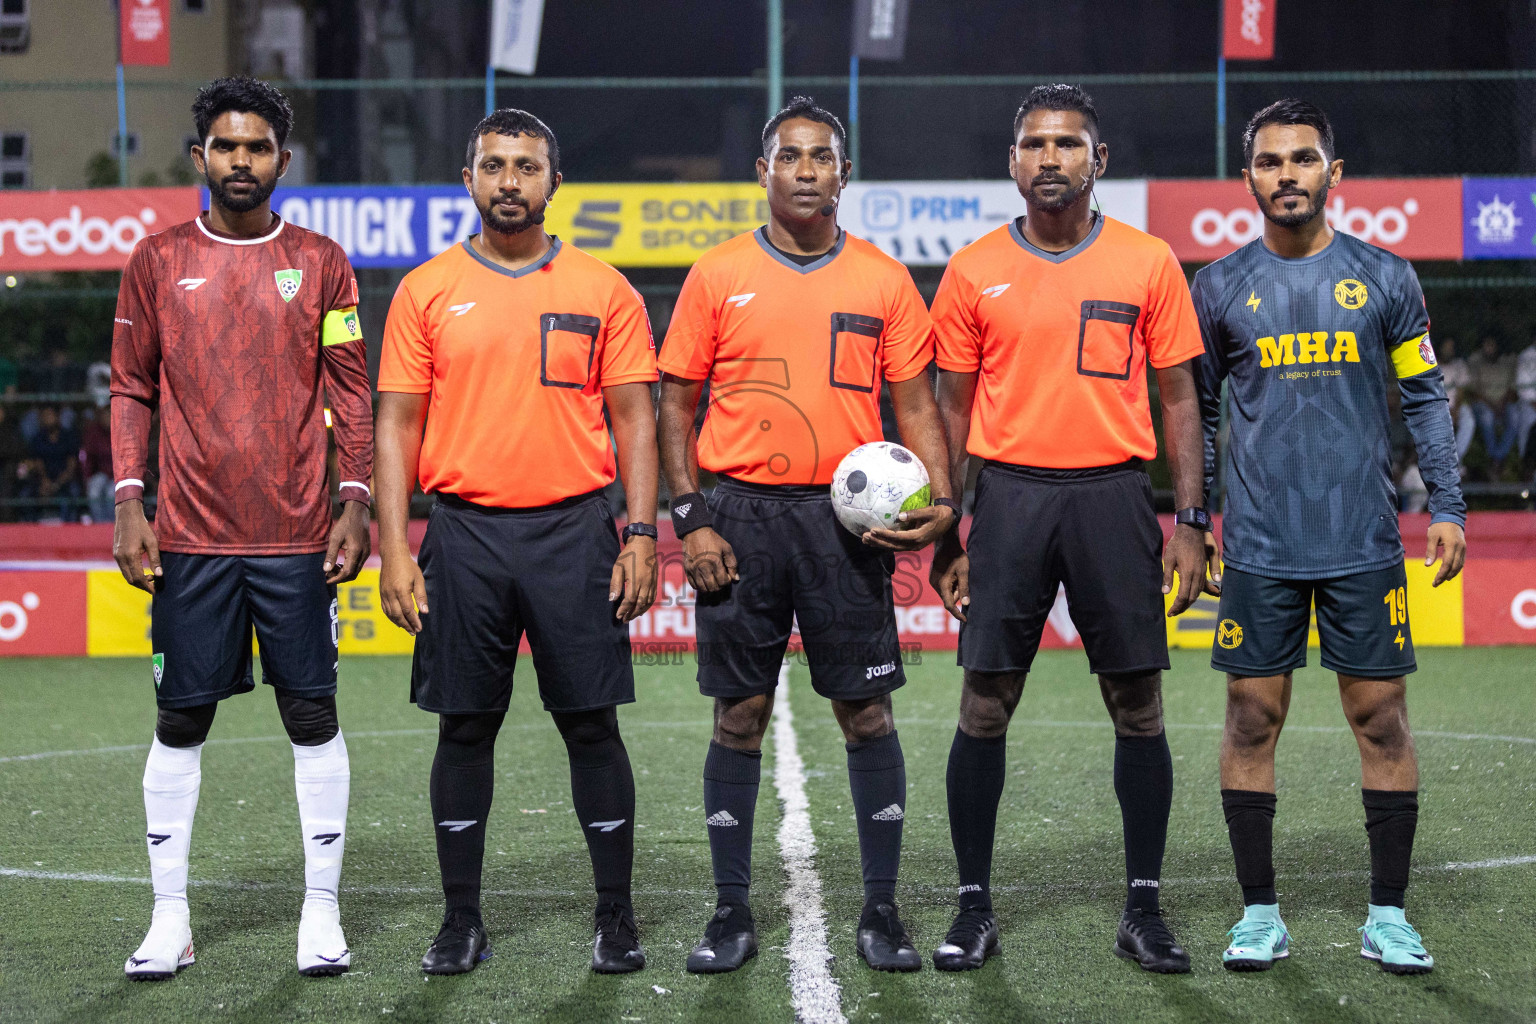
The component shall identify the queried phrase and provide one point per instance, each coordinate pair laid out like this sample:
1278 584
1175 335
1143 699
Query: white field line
816 995
422 890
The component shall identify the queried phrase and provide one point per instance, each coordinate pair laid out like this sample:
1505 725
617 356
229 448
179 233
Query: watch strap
639 530
1199 518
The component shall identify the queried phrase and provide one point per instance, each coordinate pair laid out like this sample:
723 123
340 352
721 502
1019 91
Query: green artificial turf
1058 873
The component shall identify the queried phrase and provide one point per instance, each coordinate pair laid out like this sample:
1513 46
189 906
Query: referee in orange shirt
795 326
1045 328
516 343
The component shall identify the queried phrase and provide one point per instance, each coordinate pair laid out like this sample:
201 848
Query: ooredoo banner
145 32
1248 29
93 229
1416 218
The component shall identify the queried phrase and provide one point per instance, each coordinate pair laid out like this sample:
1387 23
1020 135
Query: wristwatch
639 530
1199 518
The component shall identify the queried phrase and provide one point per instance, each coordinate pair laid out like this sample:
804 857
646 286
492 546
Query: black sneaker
883 940
730 940
616 946
1144 937
972 939
459 947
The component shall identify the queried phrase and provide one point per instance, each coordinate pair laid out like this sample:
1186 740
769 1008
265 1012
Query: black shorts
206 608
493 573
1093 530
1362 624
797 564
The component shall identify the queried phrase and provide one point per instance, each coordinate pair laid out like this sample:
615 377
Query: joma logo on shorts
876 671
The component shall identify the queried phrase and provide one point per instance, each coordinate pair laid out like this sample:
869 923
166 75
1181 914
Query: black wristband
952 505
690 512
638 530
1199 518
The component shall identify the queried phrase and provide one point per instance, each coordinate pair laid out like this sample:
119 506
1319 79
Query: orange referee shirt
515 363
1061 342
794 355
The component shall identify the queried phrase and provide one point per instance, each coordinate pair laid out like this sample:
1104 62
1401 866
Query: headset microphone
830 208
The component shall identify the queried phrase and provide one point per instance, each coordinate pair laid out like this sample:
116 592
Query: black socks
730 802
463 774
1391 817
603 794
1144 786
877 775
975 785
1251 830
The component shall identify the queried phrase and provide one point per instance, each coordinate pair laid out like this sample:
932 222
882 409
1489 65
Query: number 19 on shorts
1396 601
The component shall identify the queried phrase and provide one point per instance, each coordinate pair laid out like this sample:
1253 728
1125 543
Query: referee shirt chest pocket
1105 334
855 346
567 343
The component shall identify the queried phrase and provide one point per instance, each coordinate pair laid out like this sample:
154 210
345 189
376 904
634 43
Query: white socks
322 779
172 776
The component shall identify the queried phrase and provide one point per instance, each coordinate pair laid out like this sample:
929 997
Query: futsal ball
876 481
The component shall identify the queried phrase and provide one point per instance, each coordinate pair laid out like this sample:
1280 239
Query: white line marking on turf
815 993
422 890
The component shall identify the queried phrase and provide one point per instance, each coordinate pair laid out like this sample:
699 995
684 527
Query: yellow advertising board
117 618
654 225
1435 614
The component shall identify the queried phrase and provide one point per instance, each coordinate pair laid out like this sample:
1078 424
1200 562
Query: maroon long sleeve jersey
241 344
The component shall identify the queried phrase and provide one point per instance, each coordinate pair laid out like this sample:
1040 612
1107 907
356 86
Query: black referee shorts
494 573
1362 624
206 608
1091 529
796 564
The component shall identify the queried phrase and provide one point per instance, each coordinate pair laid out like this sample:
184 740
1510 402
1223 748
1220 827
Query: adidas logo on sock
891 813
721 819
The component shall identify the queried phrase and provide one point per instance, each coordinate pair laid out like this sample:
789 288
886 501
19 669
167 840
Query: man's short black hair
243 95
1059 96
511 121
1289 111
805 107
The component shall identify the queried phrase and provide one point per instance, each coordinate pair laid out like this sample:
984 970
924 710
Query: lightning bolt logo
1253 301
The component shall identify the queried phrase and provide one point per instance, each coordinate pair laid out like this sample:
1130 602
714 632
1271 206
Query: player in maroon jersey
240 329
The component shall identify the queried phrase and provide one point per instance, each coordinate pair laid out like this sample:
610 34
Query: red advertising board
94 229
42 613
1416 218
145 32
1248 29
1500 601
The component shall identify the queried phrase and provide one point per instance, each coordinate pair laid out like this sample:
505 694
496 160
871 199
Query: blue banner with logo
381 225
1498 218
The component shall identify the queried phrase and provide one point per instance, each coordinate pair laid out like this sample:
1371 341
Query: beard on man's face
1278 215
1053 203
515 221
238 202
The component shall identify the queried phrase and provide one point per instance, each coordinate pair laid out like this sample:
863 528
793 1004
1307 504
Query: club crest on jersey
1229 634
158 664
1427 352
288 283
1350 294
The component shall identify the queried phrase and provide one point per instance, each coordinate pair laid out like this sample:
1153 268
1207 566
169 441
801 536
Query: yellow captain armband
1414 357
340 326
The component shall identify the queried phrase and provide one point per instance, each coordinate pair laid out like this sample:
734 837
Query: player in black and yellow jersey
1307 325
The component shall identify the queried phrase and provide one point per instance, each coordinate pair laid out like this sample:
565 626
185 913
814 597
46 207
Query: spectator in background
1412 495
13 458
10 375
1525 395
96 460
1452 367
54 470
98 384
60 375
1493 392
1466 428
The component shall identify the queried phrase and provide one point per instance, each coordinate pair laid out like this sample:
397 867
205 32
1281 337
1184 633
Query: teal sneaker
1389 939
1258 940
